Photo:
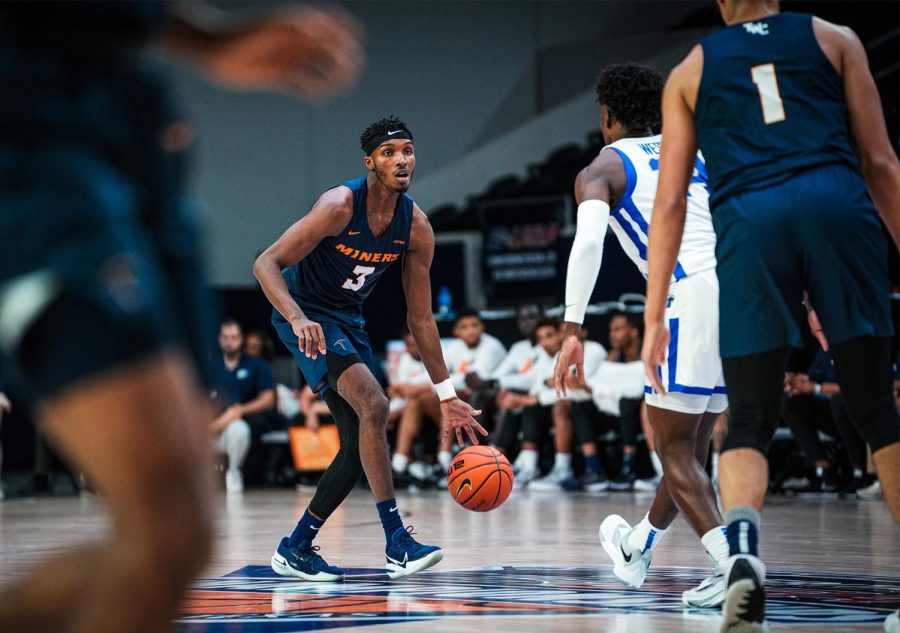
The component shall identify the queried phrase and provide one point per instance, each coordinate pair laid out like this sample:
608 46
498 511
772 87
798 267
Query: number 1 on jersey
769 95
361 273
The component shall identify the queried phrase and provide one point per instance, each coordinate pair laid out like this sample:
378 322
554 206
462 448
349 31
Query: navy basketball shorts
345 345
816 232
86 285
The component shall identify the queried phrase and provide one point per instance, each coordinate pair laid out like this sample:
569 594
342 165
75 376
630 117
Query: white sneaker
552 481
795 483
892 623
420 471
709 594
629 565
524 476
234 481
872 491
646 485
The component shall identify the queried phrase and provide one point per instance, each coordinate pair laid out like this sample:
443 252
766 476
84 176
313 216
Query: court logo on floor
255 600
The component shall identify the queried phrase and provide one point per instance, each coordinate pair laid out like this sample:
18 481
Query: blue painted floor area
254 599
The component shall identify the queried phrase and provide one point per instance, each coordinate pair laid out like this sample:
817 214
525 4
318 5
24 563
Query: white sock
645 536
399 462
527 459
444 459
716 545
657 464
562 461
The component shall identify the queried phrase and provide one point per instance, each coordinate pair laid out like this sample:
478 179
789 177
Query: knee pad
877 420
750 427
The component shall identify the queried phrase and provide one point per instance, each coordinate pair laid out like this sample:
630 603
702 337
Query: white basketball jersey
630 219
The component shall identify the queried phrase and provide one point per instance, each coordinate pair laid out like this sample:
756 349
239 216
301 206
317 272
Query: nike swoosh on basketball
465 482
354 232
627 557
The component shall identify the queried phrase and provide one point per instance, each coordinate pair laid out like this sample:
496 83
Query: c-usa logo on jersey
756 28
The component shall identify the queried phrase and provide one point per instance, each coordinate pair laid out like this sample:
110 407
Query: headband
401 133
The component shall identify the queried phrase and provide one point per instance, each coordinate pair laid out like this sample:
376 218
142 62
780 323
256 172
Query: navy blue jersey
246 381
770 105
82 27
336 277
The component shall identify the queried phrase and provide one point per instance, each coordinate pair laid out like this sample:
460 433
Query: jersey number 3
769 95
361 273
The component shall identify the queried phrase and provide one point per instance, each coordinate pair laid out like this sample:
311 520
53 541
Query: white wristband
817 389
445 390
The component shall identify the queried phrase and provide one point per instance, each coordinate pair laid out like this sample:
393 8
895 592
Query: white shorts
692 372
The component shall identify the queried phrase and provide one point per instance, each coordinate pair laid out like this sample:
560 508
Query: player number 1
361 273
769 95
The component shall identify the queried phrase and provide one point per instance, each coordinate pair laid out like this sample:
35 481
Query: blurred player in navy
100 293
778 103
317 275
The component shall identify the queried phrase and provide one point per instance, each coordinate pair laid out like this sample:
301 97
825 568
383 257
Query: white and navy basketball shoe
629 564
892 623
303 561
744 610
709 594
406 556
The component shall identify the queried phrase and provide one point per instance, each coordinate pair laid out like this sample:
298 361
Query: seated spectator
617 389
814 404
537 416
412 400
259 345
473 354
514 373
247 390
578 416
473 351
313 408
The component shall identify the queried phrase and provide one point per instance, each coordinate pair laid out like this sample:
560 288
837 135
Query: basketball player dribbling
787 114
624 177
317 275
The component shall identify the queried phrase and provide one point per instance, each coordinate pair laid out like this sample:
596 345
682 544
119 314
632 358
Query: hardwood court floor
532 565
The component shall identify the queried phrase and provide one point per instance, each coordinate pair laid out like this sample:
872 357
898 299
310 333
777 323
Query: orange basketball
480 478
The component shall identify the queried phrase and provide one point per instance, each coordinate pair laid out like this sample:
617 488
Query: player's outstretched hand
459 415
310 336
656 340
571 353
314 53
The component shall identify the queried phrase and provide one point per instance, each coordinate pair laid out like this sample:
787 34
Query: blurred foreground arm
313 53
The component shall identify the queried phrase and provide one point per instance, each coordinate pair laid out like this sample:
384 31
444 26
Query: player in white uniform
618 189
